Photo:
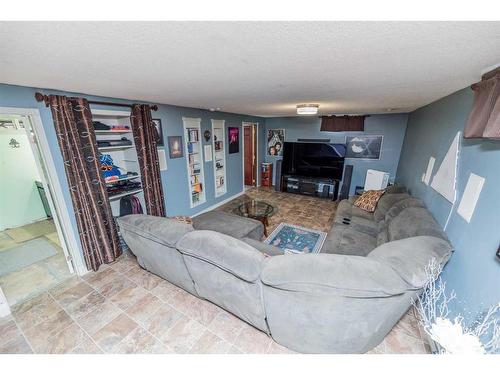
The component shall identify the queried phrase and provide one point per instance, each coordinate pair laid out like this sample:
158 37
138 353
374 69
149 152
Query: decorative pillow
368 201
182 219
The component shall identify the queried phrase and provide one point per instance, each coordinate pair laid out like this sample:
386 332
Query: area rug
293 239
26 254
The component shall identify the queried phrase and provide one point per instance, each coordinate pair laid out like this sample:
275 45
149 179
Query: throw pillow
183 219
368 201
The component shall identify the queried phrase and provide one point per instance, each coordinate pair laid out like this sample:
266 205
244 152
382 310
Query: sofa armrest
228 253
332 274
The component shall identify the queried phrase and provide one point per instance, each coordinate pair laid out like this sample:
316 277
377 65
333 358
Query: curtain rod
44 98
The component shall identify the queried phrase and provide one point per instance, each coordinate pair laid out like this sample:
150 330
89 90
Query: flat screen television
307 159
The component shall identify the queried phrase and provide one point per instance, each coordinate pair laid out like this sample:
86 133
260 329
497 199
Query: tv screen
324 160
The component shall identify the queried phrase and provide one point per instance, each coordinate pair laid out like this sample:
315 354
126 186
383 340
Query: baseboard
218 204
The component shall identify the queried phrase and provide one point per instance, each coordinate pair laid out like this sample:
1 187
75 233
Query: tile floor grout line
125 312
74 320
22 333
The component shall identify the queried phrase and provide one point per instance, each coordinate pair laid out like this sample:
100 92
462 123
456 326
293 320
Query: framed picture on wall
159 132
175 148
233 136
364 146
275 142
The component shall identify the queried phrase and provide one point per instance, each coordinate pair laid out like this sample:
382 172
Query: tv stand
312 186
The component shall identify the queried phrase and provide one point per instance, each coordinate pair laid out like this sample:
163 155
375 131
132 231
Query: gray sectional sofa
342 300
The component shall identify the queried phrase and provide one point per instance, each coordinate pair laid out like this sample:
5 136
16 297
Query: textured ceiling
260 68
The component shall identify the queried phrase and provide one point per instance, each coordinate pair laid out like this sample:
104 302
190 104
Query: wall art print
275 142
233 135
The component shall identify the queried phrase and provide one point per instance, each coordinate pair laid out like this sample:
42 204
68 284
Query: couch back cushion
220 250
412 222
410 257
385 203
401 205
159 229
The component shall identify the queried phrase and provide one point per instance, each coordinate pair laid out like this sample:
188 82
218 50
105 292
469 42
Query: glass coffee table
258 210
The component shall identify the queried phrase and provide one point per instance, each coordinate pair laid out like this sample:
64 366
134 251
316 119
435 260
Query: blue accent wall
174 179
473 271
391 126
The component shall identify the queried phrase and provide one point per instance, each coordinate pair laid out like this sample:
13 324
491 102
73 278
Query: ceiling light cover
307 109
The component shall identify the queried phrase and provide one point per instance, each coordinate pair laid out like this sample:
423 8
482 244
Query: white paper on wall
162 159
428 172
470 196
208 152
445 179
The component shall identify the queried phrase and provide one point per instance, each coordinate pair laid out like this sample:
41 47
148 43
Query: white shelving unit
219 156
125 157
194 160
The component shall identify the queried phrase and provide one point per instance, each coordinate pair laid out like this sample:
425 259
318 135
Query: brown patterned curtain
484 118
147 154
342 123
76 137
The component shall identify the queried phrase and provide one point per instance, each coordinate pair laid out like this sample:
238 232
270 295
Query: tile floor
125 309
40 276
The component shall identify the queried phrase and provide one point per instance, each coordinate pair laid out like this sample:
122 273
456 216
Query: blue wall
473 271
175 178
392 127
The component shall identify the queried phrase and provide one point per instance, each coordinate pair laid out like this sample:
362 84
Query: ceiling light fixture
307 109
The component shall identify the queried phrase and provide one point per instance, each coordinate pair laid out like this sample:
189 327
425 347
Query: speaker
277 182
346 183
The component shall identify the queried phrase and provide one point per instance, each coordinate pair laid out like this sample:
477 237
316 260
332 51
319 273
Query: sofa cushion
410 257
223 251
345 208
344 239
230 224
400 206
395 189
382 236
385 203
412 222
368 201
264 248
332 274
159 229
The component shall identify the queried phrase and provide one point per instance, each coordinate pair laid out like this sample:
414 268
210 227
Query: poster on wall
275 142
175 147
159 131
364 146
233 135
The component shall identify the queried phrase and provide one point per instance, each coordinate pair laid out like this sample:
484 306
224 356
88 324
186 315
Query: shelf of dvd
194 160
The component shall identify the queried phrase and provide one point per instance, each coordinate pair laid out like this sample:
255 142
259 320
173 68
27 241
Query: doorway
250 162
34 253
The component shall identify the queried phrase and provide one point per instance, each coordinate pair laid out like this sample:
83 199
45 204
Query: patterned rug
293 239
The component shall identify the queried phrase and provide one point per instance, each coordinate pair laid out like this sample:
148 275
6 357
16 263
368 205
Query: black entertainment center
312 168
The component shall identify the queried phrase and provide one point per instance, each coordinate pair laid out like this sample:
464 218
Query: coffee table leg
266 223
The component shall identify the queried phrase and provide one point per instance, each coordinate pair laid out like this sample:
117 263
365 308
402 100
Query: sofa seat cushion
230 224
410 257
346 209
159 229
348 240
326 274
223 251
412 222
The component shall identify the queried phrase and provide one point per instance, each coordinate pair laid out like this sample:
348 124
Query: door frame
55 197
257 177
